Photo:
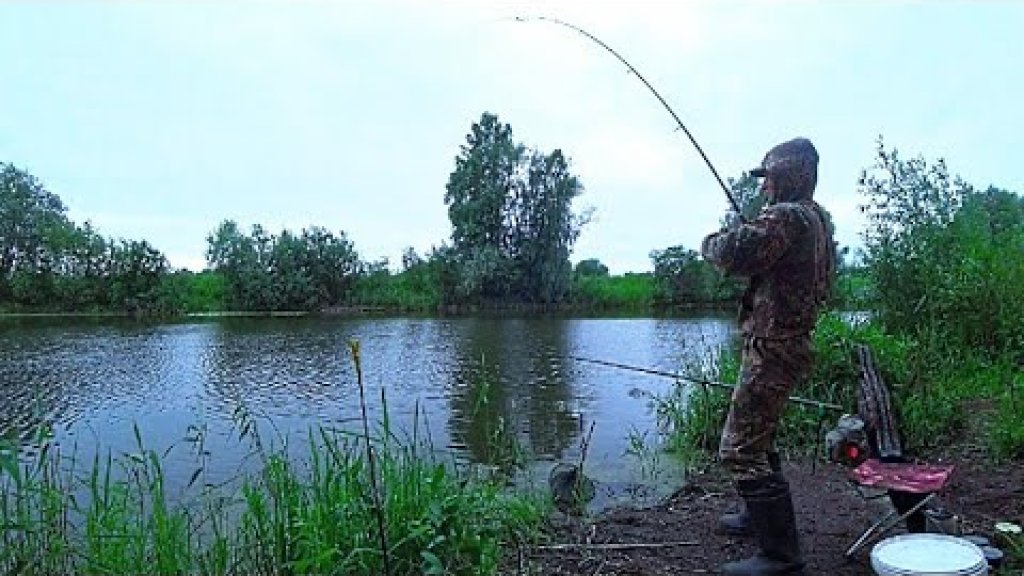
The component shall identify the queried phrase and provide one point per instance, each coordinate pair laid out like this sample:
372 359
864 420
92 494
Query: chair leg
903 502
881 527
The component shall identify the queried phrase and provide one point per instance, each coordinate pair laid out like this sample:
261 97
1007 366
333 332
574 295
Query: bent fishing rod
793 399
635 72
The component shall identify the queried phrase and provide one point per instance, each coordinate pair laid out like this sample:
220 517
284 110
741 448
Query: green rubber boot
738 523
770 507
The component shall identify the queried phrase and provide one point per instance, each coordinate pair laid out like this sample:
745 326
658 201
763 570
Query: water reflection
484 387
508 393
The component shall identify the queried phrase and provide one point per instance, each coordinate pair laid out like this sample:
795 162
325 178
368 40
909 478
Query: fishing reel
847 444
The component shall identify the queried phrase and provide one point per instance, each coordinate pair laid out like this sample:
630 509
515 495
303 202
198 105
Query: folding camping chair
909 485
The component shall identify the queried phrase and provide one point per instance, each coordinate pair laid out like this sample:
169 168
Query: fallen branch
615 546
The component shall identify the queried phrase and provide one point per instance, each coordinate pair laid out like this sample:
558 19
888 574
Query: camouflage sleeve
752 247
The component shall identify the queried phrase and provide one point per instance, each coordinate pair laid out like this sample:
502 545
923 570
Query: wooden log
874 404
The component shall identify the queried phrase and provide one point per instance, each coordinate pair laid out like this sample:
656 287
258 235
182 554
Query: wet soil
676 536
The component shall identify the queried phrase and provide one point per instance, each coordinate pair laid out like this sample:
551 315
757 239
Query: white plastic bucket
927 555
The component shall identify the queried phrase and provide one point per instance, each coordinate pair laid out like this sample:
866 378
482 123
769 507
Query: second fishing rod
712 383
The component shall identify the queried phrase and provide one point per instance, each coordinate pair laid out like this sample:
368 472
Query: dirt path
830 514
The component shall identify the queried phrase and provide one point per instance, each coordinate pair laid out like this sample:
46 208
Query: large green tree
682 277
909 205
136 271
944 258
476 195
32 219
236 256
288 271
513 225
47 261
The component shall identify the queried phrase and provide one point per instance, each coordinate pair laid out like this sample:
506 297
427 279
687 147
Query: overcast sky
159 120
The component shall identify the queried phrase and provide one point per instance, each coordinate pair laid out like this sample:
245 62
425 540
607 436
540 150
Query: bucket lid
927 555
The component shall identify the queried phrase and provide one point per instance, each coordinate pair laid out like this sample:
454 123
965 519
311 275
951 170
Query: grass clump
934 391
318 515
354 505
628 291
693 414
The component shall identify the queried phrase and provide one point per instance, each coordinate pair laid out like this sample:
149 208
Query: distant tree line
513 219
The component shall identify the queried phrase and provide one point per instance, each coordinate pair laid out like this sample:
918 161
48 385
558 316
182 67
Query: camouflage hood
787 252
793 165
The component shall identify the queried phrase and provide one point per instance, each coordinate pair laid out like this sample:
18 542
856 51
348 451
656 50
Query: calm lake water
94 381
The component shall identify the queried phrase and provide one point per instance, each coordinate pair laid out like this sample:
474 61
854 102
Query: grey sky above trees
160 120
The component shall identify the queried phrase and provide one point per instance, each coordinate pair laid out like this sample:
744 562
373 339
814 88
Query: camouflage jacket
788 254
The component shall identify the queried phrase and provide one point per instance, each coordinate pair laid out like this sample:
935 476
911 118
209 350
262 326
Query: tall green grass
935 392
629 291
322 514
409 291
692 413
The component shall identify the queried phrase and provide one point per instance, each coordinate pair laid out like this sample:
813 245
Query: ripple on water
458 376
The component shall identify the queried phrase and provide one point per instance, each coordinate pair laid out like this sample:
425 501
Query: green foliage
1007 431
694 413
984 288
311 515
591 267
682 277
746 190
629 291
943 257
205 291
48 262
513 226
418 287
285 272
420 281
944 263
135 273
853 288
32 222
183 291
437 521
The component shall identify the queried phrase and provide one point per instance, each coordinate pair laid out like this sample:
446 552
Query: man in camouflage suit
788 254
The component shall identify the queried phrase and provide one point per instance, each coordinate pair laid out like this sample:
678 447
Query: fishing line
635 72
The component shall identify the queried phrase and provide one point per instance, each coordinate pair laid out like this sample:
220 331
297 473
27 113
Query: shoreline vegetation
940 276
513 228
452 310
363 503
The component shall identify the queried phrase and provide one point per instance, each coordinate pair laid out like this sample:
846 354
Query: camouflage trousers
770 370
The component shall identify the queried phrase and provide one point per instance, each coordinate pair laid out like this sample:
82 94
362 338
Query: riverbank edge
368 310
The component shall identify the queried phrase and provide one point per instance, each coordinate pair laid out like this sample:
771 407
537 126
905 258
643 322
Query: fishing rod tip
529 18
